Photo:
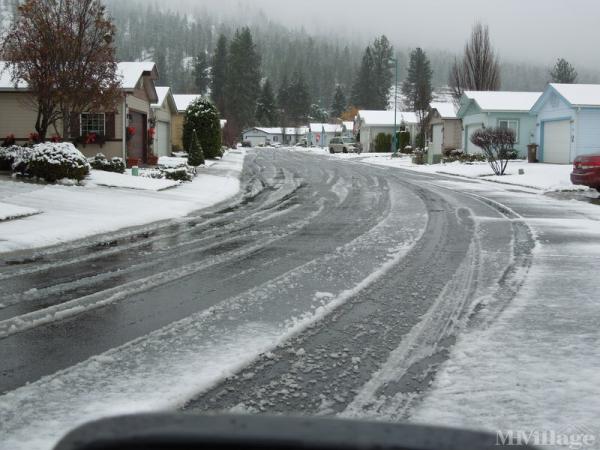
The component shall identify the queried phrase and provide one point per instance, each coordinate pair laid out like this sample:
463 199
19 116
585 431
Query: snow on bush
101 162
55 161
15 158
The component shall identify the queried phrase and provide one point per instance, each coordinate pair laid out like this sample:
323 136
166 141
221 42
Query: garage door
162 139
557 142
437 138
471 148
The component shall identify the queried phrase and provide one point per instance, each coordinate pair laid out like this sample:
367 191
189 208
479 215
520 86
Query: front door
136 147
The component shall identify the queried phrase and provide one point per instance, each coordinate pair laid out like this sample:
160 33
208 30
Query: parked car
343 145
586 171
246 144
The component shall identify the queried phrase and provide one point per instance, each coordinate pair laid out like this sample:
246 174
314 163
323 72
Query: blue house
568 122
485 109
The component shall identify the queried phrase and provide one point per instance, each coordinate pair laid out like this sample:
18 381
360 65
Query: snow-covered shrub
460 156
203 118
15 158
178 174
152 173
100 162
196 155
419 156
55 161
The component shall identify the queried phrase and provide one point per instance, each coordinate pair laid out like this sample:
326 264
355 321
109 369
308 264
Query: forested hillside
174 39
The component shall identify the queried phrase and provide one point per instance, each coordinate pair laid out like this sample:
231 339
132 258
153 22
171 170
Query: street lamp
395 135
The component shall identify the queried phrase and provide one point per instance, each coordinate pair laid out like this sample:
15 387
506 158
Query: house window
275 138
92 123
511 124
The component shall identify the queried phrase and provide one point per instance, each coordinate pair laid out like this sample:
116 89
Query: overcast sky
522 30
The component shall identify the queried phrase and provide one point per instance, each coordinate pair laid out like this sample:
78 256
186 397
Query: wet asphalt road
296 213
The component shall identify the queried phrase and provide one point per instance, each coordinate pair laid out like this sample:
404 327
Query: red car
586 171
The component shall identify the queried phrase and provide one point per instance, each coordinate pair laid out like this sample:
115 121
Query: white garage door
162 139
437 139
557 142
471 148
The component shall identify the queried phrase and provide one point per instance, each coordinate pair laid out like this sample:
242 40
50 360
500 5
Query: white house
162 111
370 123
319 134
260 136
568 122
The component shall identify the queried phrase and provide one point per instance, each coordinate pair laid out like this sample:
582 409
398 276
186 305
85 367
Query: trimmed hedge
55 161
15 158
100 162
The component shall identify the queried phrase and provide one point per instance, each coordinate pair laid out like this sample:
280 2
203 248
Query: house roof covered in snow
129 72
348 125
498 101
184 100
576 95
386 118
446 110
327 127
277 131
164 94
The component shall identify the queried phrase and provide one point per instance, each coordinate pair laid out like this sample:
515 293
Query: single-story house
485 109
162 111
319 134
445 129
370 123
568 122
182 101
18 114
259 136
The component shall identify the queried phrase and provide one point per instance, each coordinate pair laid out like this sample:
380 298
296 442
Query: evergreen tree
417 87
382 53
318 114
195 153
202 119
299 101
266 109
219 74
340 103
563 72
363 91
201 73
283 100
243 80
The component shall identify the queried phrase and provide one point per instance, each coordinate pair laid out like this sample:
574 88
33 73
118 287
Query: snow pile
118 180
9 212
75 212
172 161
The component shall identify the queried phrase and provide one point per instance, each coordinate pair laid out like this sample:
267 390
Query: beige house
162 113
182 101
445 130
18 114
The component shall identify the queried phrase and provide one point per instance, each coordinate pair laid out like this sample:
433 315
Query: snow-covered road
326 287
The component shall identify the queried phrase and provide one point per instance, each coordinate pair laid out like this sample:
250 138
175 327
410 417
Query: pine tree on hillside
363 91
563 72
195 153
219 74
243 80
382 74
266 109
283 100
339 104
417 87
299 101
201 73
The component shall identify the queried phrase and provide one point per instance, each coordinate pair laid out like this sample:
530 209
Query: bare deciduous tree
63 50
497 145
479 68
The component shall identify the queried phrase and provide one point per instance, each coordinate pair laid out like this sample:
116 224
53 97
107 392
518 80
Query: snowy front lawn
9 212
75 212
127 181
544 177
